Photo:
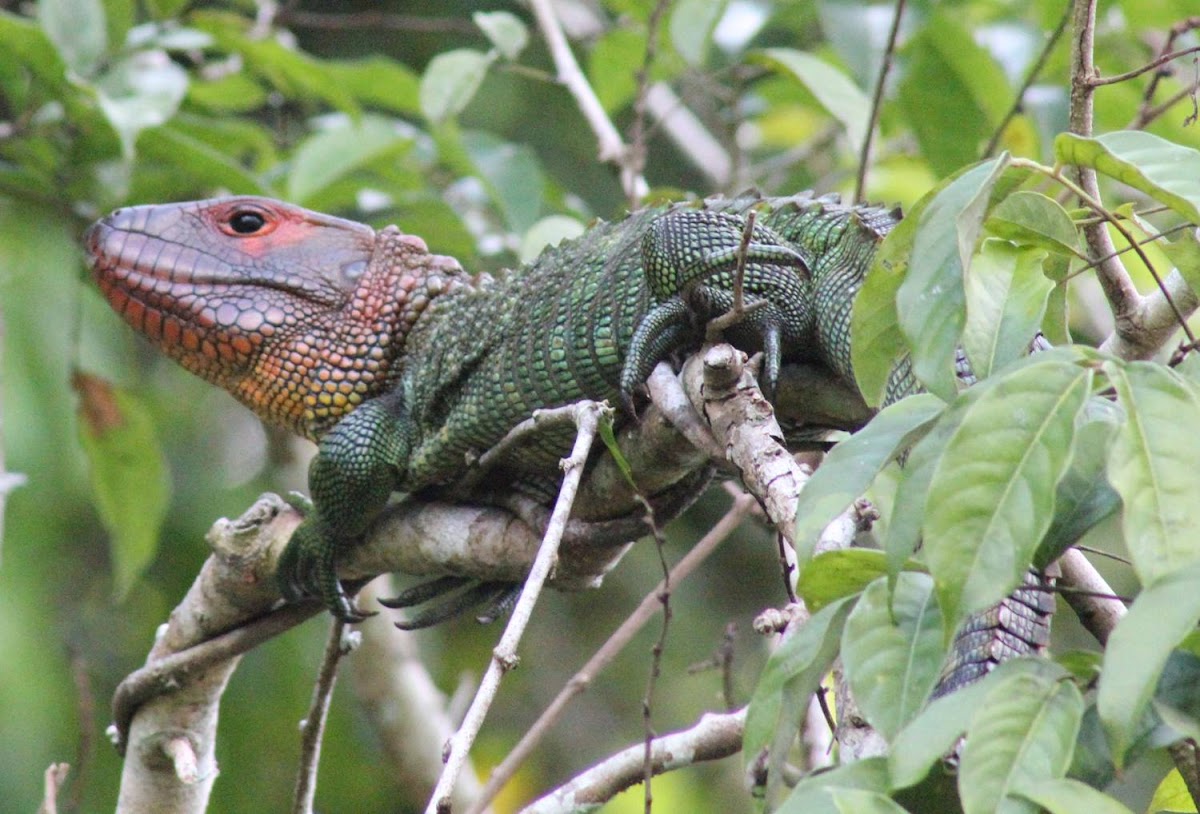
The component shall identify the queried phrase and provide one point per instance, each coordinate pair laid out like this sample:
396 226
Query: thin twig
1145 116
173 670
637 131
743 504
529 428
1031 77
52 783
885 68
611 147
1149 66
656 653
739 309
1122 295
413 23
312 729
504 657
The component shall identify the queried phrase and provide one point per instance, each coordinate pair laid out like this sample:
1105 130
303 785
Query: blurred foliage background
450 125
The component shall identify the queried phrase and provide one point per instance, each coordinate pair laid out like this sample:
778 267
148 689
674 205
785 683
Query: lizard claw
496 598
308 567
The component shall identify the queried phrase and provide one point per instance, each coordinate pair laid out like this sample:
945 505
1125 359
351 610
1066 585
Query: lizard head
301 316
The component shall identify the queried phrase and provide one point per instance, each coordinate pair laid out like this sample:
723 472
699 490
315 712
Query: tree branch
715 736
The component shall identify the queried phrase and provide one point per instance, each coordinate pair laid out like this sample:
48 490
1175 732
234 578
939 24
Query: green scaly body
403 367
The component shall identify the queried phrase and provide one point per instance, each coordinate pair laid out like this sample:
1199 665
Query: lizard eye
246 222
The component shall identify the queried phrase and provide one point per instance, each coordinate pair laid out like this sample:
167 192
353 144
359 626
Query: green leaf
549 231
78 30
852 465
876 341
129 476
1032 219
379 82
691 27
815 793
1023 733
506 32
893 655
293 73
1175 698
1158 620
513 177
1006 295
801 660
908 506
1165 171
1184 253
1152 465
859 801
608 66
1083 497
928 738
202 165
230 93
953 93
931 301
450 81
834 575
1063 795
330 154
1172 795
835 91
141 91
991 498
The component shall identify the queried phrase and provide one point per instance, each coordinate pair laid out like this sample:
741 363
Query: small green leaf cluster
987 481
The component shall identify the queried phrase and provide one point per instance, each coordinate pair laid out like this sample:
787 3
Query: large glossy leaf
1022 734
892 655
991 498
1158 620
852 465
1165 171
929 737
931 301
803 657
513 176
1152 465
1063 795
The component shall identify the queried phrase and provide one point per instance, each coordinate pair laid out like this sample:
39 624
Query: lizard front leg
357 467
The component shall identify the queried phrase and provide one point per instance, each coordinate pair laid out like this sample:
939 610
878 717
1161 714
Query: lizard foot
308 567
493 599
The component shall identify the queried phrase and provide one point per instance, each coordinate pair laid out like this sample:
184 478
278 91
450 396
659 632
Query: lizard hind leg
663 330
